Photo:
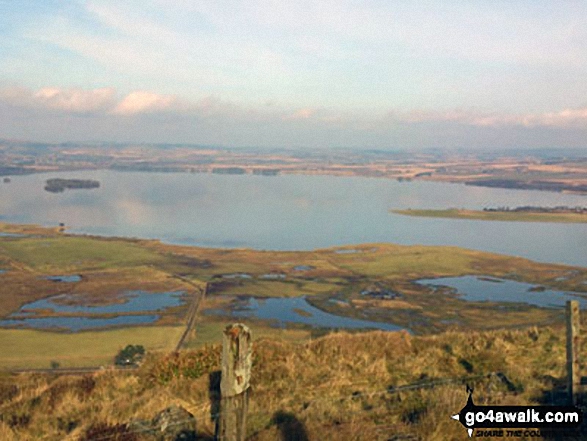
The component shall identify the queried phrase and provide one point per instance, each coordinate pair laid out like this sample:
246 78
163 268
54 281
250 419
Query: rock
172 424
175 424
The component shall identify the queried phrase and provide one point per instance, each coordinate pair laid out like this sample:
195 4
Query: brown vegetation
340 386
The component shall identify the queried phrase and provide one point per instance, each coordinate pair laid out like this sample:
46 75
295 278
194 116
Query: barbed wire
207 407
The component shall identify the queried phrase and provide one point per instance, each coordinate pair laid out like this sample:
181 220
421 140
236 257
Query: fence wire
202 411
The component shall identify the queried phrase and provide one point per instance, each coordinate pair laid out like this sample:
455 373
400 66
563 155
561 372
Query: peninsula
518 214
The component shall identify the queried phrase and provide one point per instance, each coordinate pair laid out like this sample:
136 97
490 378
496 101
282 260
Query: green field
24 348
509 216
110 266
71 253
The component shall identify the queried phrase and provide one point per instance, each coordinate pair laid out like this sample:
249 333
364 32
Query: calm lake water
297 310
484 289
134 301
75 324
290 212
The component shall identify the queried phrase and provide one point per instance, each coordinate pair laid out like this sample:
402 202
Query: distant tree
130 356
55 364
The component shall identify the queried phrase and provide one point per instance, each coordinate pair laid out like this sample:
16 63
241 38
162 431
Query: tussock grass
333 387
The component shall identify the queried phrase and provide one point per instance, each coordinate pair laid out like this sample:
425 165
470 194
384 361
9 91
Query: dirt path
199 295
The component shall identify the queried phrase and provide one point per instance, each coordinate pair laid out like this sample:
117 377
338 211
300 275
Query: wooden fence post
237 359
573 375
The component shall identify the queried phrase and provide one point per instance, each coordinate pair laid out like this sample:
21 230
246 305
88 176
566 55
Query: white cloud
144 102
300 114
76 100
566 118
105 102
69 100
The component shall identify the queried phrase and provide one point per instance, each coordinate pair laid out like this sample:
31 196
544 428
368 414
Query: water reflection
298 310
133 301
291 212
75 324
488 289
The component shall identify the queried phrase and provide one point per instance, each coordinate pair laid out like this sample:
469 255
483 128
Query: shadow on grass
214 396
290 428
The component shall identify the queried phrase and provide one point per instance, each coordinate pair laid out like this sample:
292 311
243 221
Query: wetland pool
492 289
294 310
134 302
74 324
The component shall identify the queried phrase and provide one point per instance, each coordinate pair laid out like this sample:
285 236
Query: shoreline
499 216
416 174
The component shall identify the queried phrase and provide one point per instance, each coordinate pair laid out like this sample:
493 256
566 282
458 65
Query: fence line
236 373
390 390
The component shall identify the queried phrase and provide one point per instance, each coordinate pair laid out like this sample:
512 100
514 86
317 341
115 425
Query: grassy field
454 213
109 267
71 253
23 348
323 385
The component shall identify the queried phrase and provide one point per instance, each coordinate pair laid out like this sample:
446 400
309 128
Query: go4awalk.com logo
504 421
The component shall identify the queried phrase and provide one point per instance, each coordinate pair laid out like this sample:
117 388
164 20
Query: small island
519 214
58 185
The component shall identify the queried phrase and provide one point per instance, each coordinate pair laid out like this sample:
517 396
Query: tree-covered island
58 185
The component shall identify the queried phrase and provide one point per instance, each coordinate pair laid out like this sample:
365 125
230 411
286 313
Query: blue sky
391 74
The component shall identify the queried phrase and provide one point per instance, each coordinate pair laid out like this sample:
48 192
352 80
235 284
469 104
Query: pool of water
75 324
491 289
237 276
67 279
298 310
134 301
273 276
304 268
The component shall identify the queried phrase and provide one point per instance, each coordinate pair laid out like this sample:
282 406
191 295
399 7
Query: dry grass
25 348
333 387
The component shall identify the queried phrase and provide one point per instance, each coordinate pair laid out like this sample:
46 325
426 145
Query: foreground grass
454 213
23 348
334 387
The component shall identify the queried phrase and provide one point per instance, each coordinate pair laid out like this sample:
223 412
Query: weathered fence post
237 359
573 375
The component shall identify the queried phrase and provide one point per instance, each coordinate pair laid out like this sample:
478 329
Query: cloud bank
73 114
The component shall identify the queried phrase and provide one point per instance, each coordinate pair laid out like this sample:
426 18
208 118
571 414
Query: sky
408 74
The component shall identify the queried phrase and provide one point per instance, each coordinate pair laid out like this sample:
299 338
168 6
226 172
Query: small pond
134 301
491 289
304 268
67 279
78 323
298 310
273 276
237 276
